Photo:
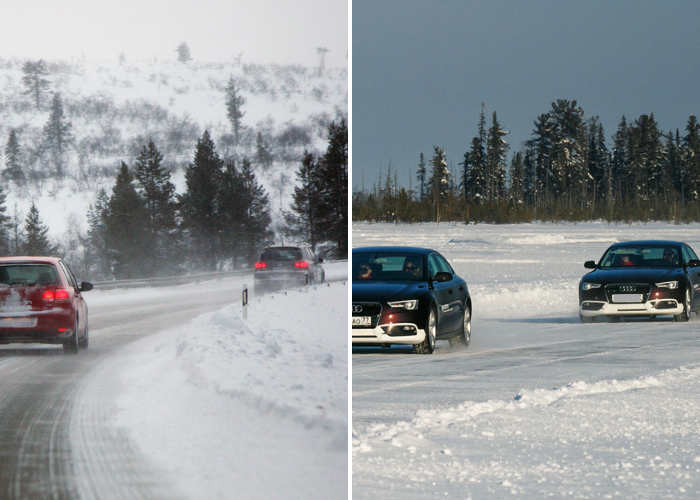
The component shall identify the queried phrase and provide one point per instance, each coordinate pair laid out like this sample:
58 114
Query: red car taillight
55 295
303 264
260 265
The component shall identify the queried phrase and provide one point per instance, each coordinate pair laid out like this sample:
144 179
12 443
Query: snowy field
243 408
540 405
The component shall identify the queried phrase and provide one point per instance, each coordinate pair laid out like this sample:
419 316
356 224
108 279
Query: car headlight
671 285
404 304
589 286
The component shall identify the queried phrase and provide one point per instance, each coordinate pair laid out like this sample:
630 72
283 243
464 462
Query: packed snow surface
236 407
540 405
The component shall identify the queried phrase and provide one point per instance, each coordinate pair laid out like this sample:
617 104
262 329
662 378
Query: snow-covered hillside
115 109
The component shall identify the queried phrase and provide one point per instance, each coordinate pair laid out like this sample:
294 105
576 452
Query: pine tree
13 166
496 149
183 53
334 189
5 225
126 237
158 194
98 257
57 133
304 219
34 82
234 103
256 215
36 241
263 155
199 208
439 182
421 176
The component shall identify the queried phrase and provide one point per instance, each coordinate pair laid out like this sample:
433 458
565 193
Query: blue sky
422 68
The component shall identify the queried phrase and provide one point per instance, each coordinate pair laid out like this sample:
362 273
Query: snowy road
89 427
540 405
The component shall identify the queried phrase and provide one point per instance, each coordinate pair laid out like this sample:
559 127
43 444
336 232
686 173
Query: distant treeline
564 172
222 221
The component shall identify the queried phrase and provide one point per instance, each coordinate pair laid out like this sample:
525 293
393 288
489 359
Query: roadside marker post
244 297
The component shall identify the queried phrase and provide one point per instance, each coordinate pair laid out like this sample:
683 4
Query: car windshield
28 274
386 266
281 254
646 256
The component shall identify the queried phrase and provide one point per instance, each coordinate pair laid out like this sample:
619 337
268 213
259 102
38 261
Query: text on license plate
627 297
17 322
361 321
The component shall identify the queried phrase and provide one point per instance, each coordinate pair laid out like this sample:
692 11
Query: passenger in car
364 272
411 266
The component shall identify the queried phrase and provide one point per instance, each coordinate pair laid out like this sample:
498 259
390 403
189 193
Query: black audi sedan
409 296
641 278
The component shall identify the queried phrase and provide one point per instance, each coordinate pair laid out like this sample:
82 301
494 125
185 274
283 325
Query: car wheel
428 344
685 315
463 339
71 345
587 319
83 344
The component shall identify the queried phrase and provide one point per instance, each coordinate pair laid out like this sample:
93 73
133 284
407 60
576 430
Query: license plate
17 322
361 321
627 298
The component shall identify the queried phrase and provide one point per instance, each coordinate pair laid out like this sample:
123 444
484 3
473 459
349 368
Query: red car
41 302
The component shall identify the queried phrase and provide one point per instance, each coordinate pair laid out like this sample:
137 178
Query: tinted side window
69 275
688 254
442 264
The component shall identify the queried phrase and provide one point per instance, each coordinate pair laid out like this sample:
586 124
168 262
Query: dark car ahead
282 267
641 278
41 302
409 296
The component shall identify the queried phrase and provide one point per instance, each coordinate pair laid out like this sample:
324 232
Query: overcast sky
421 69
265 31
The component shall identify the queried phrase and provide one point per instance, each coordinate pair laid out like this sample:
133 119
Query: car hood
636 275
383 291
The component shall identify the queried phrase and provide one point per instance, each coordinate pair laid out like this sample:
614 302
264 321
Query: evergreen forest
171 167
565 171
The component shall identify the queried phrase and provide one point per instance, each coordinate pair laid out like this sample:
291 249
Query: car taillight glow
302 264
51 295
260 265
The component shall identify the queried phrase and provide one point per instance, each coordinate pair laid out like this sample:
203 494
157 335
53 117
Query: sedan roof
647 242
397 249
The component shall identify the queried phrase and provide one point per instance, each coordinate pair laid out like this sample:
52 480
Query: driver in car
411 267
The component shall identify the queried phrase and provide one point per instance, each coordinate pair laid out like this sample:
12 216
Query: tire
587 319
83 344
70 346
463 339
428 344
685 315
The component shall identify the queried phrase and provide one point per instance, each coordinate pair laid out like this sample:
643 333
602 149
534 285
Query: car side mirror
85 286
442 276
320 260
693 263
589 264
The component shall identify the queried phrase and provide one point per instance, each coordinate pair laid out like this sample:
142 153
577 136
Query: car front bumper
592 308
395 333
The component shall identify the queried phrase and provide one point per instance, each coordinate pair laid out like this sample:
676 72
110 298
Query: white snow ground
540 405
244 408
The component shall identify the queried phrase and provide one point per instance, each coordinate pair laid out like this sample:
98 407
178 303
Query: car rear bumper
51 327
592 308
396 333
